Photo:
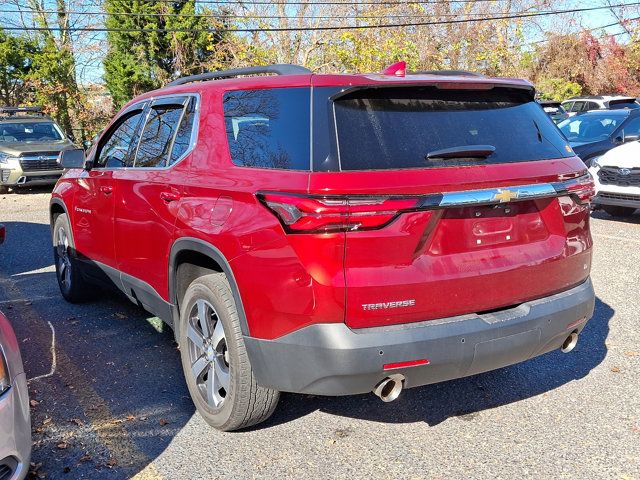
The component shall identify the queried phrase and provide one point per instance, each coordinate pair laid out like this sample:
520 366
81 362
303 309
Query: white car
598 102
617 177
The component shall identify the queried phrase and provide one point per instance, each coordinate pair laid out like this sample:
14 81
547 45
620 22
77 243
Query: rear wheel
616 211
72 286
214 359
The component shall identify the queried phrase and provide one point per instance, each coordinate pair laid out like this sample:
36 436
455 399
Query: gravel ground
116 405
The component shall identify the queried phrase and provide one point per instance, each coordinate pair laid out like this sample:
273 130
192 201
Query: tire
4 189
616 211
215 362
72 285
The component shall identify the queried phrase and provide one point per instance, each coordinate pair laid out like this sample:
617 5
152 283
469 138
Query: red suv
333 234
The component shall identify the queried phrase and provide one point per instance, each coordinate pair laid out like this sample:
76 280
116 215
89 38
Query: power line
593 29
249 17
322 28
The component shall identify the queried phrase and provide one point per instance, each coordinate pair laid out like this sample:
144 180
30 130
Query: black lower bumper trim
332 359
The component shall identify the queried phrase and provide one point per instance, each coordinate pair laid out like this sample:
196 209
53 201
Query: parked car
601 102
554 109
593 133
617 178
29 146
333 234
15 419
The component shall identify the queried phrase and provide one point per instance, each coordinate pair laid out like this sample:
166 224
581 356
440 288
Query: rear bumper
332 359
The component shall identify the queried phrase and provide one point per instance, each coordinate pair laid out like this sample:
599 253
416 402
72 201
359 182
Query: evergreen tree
16 55
145 56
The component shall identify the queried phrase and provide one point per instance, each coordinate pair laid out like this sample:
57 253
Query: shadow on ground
118 396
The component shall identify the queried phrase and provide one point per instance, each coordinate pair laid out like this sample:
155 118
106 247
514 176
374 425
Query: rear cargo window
269 128
399 128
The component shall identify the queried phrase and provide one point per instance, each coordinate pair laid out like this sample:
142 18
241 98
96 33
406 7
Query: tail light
307 214
582 188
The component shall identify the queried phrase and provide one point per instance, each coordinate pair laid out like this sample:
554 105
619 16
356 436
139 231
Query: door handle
106 189
169 196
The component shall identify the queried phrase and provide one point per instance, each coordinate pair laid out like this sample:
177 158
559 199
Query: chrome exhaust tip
569 343
389 389
22 180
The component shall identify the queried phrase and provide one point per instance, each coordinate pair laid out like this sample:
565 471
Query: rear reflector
306 214
410 363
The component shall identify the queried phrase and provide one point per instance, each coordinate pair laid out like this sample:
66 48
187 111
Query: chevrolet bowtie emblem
505 195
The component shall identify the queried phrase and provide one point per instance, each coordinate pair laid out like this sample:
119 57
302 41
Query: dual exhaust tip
390 388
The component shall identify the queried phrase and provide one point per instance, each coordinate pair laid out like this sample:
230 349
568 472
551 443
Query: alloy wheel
64 258
208 354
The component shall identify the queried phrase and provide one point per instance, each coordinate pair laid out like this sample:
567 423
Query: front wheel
616 211
72 286
215 361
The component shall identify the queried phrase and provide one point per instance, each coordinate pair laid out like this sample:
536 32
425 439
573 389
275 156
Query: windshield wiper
463 151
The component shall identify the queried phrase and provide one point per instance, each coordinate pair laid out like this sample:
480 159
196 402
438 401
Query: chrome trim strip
498 195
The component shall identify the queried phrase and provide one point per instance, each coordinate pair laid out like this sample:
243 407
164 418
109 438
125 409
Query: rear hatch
452 199
475 182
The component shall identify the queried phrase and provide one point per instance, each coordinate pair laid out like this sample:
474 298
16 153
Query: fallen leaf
62 445
632 354
112 462
85 458
615 369
46 421
34 403
120 315
164 422
130 418
77 421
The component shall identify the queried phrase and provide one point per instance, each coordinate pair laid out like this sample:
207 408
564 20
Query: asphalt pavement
109 400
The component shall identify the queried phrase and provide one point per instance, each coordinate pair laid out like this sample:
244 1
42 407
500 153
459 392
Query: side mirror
619 139
73 158
87 144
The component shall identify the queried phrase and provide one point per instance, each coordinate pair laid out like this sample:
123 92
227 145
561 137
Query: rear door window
269 128
157 136
398 128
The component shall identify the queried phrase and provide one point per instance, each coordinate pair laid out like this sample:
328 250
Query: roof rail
452 73
278 69
11 111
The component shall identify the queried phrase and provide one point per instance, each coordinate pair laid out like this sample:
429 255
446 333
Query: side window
577 107
632 127
185 132
591 106
568 106
157 136
114 149
269 128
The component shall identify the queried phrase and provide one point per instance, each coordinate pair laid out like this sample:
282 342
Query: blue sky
90 64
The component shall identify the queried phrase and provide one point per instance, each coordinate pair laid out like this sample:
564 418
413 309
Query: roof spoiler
12 111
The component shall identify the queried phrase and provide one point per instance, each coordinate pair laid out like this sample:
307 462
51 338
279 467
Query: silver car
15 420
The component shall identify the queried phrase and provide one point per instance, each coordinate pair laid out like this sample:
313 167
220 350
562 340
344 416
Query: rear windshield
399 128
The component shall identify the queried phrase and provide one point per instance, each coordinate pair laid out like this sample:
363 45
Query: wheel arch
190 258
56 207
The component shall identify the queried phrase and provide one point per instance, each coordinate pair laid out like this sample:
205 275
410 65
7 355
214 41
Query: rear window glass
398 128
269 128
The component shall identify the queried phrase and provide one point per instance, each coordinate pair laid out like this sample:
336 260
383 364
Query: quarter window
269 128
